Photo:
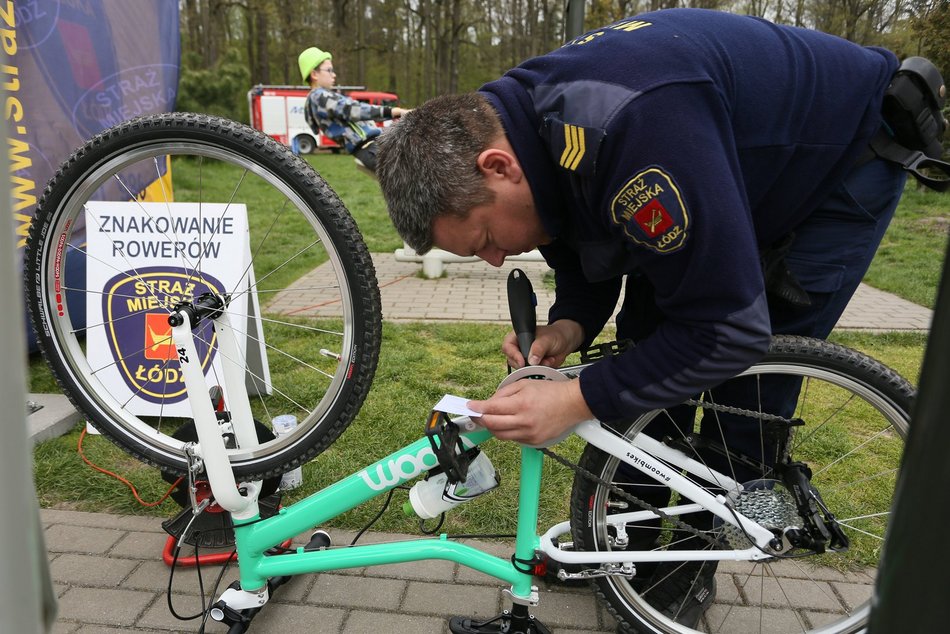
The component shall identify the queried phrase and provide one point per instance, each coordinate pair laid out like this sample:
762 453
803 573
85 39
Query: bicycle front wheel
848 419
210 205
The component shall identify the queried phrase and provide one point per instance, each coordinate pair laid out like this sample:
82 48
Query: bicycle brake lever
521 304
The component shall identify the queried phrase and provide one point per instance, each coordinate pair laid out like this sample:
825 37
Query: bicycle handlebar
521 304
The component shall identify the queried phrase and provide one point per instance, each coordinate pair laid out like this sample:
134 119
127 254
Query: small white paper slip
455 405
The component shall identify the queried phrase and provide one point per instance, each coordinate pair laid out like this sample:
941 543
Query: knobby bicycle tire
855 415
303 289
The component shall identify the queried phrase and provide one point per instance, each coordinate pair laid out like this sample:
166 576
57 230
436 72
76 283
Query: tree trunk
249 42
360 43
207 47
263 59
454 45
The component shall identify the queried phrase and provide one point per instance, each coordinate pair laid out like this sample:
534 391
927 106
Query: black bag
912 109
913 106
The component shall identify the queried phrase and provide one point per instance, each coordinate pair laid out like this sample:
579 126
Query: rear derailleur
821 530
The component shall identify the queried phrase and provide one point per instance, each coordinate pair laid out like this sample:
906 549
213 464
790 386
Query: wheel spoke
209 172
851 423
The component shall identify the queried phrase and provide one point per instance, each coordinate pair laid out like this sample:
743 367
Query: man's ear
498 163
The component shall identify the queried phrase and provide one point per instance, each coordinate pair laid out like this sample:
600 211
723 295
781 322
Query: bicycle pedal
454 459
609 349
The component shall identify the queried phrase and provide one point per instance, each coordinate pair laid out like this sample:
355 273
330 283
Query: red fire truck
278 112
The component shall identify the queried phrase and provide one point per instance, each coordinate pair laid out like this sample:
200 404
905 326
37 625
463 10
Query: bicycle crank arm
238 608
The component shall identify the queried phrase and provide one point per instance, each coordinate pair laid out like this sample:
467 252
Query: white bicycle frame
663 464
660 462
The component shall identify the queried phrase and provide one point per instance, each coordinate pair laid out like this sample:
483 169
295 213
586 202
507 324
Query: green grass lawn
910 258
360 193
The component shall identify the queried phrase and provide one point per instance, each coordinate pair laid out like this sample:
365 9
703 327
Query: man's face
507 226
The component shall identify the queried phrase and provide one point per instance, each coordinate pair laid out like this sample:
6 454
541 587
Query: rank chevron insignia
574 146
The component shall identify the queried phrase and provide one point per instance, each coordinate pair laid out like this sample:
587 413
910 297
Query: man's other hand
552 344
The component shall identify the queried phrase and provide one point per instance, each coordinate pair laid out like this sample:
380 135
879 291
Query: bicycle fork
240 501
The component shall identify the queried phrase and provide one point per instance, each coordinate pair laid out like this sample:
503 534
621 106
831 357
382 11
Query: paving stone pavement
477 292
110 578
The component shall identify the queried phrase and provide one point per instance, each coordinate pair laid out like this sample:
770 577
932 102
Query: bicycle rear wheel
214 206
855 414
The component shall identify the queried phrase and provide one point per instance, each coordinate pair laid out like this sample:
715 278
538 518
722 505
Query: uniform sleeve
588 303
672 194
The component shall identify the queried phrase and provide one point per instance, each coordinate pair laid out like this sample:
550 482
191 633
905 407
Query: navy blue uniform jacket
678 144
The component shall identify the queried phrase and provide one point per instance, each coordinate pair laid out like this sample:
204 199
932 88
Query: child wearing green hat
338 117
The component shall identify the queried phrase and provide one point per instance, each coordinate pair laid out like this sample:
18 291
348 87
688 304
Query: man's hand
552 344
399 112
533 411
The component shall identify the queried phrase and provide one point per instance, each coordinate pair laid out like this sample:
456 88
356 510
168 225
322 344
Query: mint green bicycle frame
254 536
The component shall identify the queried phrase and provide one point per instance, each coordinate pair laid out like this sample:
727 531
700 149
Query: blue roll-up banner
73 68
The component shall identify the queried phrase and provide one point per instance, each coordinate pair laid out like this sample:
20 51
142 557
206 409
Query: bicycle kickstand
517 621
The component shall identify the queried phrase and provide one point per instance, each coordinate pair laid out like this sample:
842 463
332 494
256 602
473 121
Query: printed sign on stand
144 258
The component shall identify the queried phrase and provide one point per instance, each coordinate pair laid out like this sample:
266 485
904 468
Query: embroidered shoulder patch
651 211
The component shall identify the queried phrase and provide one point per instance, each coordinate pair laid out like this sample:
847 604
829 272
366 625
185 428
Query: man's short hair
428 163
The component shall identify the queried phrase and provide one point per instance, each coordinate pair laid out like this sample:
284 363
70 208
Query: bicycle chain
576 468
774 418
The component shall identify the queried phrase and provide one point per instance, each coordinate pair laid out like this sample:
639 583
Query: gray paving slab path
477 292
110 578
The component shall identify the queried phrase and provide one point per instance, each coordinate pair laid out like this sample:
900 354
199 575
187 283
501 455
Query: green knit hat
310 59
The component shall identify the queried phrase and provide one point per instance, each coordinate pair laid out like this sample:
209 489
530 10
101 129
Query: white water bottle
430 498
283 425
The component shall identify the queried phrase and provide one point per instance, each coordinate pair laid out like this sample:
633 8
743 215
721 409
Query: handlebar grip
521 304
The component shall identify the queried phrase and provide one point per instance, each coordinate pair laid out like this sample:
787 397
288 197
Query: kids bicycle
285 317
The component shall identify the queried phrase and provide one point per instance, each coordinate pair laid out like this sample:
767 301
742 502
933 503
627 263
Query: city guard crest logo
135 307
651 210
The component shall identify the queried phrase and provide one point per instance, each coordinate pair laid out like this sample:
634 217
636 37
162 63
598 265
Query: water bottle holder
446 442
